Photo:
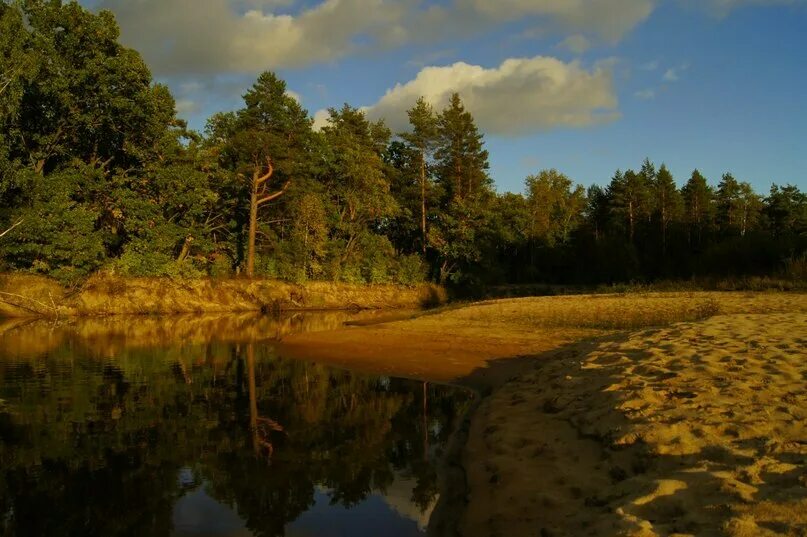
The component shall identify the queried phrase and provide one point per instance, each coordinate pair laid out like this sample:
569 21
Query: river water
195 426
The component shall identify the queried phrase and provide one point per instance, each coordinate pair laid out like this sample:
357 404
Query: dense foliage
97 172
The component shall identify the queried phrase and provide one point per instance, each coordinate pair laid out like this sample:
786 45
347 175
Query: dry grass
24 295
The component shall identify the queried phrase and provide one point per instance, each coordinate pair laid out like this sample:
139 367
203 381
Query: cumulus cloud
521 95
645 94
320 119
245 36
213 36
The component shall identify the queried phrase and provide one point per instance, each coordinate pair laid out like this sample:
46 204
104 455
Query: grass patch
105 294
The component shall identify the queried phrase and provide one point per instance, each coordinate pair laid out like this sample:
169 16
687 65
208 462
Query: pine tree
666 201
629 199
462 161
698 206
422 141
461 165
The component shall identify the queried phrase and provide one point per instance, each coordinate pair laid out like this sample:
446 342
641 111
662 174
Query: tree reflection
93 446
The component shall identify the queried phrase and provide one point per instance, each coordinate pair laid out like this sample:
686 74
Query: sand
596 426
695 429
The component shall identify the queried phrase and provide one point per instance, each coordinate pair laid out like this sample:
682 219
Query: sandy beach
652 415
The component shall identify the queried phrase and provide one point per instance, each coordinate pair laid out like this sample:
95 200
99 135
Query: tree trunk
253 229
186 249
423 200
630 217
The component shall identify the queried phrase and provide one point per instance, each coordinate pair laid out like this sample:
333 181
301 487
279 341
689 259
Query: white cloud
576 43
320 119
673 74
645 94
519 96
247 36
649 66
212 36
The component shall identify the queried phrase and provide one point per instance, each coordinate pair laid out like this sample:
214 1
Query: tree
555 208
698 199
786 210
629 199
81 122
462 161
750 208
727 199
597 210
422 140
269 139
259 194
738 206
357 179
309 232
461 166
666 201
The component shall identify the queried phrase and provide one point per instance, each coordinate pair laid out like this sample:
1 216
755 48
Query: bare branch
261 179
12 227
274 195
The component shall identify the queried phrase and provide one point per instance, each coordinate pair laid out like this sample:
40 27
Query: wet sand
596 426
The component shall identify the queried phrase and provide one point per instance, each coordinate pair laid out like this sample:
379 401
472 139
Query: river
196 426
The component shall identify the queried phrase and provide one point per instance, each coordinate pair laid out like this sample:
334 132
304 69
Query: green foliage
555 208
97 172
59 235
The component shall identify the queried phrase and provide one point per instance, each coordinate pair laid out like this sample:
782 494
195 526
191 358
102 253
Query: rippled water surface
196 427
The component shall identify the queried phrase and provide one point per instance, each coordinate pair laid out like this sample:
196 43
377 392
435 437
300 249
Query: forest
97 173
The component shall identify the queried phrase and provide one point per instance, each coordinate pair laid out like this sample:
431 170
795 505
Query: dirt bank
597 425
24 295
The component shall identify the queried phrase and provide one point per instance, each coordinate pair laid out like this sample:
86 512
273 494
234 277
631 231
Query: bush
139 259
411 270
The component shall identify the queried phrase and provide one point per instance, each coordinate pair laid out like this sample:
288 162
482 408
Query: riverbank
27 296
635 415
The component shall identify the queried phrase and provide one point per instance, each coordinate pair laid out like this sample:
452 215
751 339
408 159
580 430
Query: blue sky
584 86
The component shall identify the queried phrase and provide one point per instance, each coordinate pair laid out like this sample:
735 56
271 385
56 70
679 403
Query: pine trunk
253 229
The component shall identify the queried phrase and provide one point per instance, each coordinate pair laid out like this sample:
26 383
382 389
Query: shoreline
593 415
563 442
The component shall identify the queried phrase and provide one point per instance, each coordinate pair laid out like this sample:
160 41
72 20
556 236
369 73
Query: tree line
98 173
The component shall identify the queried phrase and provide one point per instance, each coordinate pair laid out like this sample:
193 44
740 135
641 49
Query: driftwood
43 309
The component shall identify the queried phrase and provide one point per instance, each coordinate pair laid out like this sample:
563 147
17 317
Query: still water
196 427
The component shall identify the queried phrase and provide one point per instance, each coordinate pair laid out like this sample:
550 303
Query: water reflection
105 432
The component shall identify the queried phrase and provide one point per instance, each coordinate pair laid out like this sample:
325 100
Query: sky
583 86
